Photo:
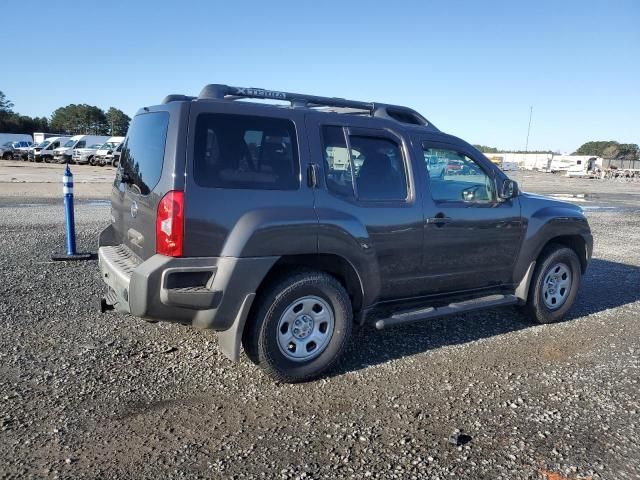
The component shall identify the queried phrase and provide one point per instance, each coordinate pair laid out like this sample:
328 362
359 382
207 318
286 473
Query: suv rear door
151 154
366 182
471 238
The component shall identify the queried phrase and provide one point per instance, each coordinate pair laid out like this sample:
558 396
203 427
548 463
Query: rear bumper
206 292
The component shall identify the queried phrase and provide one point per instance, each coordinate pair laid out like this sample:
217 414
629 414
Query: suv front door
471 237
366 195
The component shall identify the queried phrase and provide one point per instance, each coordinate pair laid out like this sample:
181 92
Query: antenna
526 148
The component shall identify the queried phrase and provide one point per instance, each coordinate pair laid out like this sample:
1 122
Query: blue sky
472 67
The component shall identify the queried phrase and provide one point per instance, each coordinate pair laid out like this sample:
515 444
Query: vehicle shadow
606 285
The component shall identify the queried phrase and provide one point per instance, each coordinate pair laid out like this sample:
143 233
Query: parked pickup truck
281 228
85 155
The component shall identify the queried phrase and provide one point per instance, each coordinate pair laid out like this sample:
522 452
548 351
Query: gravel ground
85 395
44 180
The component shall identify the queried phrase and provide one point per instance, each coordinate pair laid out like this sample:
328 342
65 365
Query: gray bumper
206 292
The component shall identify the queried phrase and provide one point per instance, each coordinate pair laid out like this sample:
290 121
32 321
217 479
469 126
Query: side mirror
507 189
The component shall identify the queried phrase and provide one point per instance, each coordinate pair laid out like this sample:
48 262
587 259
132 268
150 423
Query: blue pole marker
67 190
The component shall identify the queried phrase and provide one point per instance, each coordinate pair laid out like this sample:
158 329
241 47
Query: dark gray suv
280 226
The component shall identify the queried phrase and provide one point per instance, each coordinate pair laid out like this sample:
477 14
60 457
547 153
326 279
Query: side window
371 170
455 177
379 168
81 144
246 152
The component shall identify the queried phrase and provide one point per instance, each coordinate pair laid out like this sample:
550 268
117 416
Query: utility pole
526 148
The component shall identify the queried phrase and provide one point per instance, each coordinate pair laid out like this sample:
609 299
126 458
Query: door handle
439 220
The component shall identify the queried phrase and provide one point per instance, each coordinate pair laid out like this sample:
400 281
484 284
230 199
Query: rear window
238 151
143 152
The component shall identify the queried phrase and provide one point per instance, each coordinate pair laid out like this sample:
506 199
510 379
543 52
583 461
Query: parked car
12 148
85 155
21 149
436 166
64 153
113 158
454 167
227 215
6 150
107 148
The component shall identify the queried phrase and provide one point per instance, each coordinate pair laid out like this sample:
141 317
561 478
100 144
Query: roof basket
392 112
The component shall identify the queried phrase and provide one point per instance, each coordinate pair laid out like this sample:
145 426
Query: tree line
609 149
72 120
485 149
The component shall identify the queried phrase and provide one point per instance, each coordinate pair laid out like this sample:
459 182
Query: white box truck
39 137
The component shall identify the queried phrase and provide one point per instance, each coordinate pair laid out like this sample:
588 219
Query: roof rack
299 100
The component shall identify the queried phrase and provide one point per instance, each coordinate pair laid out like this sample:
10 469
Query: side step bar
453 308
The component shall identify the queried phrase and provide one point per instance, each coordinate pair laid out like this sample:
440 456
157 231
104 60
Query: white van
65 152
106 149
44 151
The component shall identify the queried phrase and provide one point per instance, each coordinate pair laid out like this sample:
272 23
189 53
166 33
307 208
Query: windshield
7 144
44 144
70 143
108 146
96 145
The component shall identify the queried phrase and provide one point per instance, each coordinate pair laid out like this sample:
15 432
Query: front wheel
299 327
554 285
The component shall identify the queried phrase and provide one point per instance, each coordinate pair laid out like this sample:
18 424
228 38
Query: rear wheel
300 327
554 285
7 156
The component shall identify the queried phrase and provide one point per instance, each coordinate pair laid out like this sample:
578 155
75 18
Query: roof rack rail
393 112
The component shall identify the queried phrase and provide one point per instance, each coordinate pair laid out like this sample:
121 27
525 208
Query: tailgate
138 186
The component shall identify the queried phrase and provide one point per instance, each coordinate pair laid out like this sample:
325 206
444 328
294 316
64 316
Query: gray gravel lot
85 395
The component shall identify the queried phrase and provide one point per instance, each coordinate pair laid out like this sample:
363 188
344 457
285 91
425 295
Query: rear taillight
170 224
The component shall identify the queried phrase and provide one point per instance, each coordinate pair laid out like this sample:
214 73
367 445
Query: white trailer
39 137
15 137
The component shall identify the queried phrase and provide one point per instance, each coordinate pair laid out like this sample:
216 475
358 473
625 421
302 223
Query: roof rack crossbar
226 92
232 93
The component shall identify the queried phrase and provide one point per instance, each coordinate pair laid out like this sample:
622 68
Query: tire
46 159
547 302
7 156
115 162
277 313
